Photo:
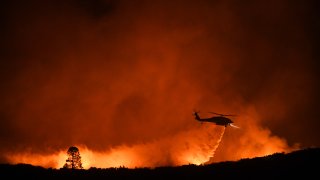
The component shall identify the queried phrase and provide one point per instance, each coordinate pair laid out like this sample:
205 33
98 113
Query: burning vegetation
74 159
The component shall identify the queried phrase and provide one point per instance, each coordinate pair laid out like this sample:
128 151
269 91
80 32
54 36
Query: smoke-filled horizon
122 78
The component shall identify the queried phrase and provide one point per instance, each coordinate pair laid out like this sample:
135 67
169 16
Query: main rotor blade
222 114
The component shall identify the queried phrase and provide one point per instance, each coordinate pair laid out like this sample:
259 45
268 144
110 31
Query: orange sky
120 79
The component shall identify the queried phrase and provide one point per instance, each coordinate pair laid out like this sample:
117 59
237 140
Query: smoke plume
120 79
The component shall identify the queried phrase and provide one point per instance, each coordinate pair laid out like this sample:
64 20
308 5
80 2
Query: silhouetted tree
74 159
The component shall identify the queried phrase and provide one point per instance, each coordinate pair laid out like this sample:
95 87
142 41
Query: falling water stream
218 142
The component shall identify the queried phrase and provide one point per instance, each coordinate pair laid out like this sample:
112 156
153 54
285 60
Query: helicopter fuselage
218 120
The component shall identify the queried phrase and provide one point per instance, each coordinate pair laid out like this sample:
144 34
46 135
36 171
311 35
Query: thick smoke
120 79
188 147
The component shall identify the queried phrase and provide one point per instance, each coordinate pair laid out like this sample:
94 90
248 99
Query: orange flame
195 146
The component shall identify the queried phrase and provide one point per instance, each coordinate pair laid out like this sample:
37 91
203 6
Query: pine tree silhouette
74 159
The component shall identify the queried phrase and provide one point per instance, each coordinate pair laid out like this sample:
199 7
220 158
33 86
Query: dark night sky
130 72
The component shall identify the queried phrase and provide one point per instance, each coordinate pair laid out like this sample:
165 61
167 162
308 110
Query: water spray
218 142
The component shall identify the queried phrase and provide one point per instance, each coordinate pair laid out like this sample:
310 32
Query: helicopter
220 119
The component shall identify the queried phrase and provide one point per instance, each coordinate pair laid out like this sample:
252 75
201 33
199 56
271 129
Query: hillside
302 163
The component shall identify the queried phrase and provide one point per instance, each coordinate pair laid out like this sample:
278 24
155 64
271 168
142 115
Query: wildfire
195 146
120 80
55 160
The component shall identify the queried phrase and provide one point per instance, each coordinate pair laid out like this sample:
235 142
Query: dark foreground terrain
298 164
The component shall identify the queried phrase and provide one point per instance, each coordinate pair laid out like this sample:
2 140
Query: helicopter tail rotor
195 113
